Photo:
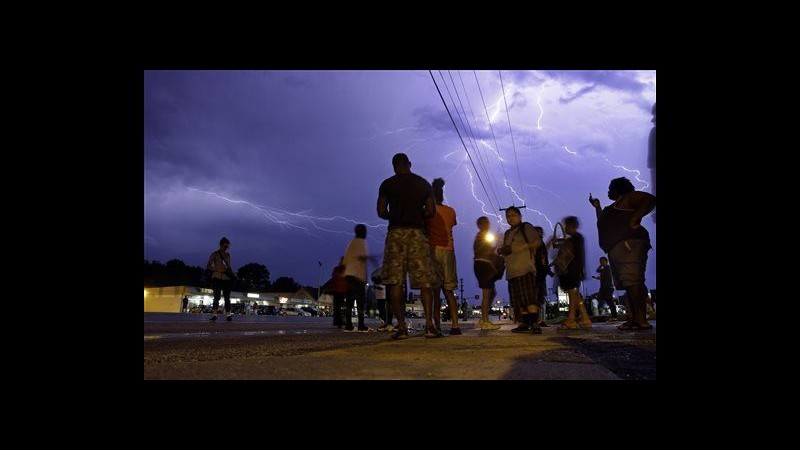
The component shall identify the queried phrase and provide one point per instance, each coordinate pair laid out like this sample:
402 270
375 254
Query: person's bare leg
574 298
451 303
630 307
638 299
427 305
437 310
486 303
585 322
397 305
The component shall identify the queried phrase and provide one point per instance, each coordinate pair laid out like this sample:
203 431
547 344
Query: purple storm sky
284 163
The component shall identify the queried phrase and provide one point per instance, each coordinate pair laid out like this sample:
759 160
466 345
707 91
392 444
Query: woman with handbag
570 265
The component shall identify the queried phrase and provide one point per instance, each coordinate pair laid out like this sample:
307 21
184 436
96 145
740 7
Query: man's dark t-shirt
606 281
406 195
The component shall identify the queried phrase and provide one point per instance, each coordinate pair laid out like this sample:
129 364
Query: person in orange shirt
439 230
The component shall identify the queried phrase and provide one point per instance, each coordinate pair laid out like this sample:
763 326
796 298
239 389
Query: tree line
251 277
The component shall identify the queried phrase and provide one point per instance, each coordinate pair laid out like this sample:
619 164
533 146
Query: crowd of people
419 246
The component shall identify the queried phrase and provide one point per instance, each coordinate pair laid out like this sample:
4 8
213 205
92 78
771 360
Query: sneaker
364 329
489 326
522 328
213 318
455 331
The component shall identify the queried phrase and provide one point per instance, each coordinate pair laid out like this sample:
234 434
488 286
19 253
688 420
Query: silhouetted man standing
406 200
221 278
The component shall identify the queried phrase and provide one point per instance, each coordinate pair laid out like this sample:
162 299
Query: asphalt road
187 346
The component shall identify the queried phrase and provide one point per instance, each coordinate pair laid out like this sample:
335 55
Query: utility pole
464 301
319 280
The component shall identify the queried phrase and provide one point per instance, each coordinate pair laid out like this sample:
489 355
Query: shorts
522 291
407 251
486 273
628 261
569 281
444 262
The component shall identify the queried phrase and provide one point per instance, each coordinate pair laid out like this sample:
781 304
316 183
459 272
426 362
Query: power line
461 138
522 186
497 146
462 122
471 131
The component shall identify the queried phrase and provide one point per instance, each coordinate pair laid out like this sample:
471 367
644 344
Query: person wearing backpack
520 243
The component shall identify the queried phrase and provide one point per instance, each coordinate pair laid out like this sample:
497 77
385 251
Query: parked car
269 310
311 311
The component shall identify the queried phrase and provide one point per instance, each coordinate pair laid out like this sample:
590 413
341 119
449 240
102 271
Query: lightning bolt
541 110
634 171
282 217
451 154
497 109
418 141
545 190
487 145
483 205
505 182
399 130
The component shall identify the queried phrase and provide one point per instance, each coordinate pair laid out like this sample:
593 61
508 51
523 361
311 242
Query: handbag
558 242
563 259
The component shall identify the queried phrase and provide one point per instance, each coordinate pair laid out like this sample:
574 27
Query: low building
169 298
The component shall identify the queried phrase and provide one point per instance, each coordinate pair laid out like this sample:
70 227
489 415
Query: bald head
401 163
